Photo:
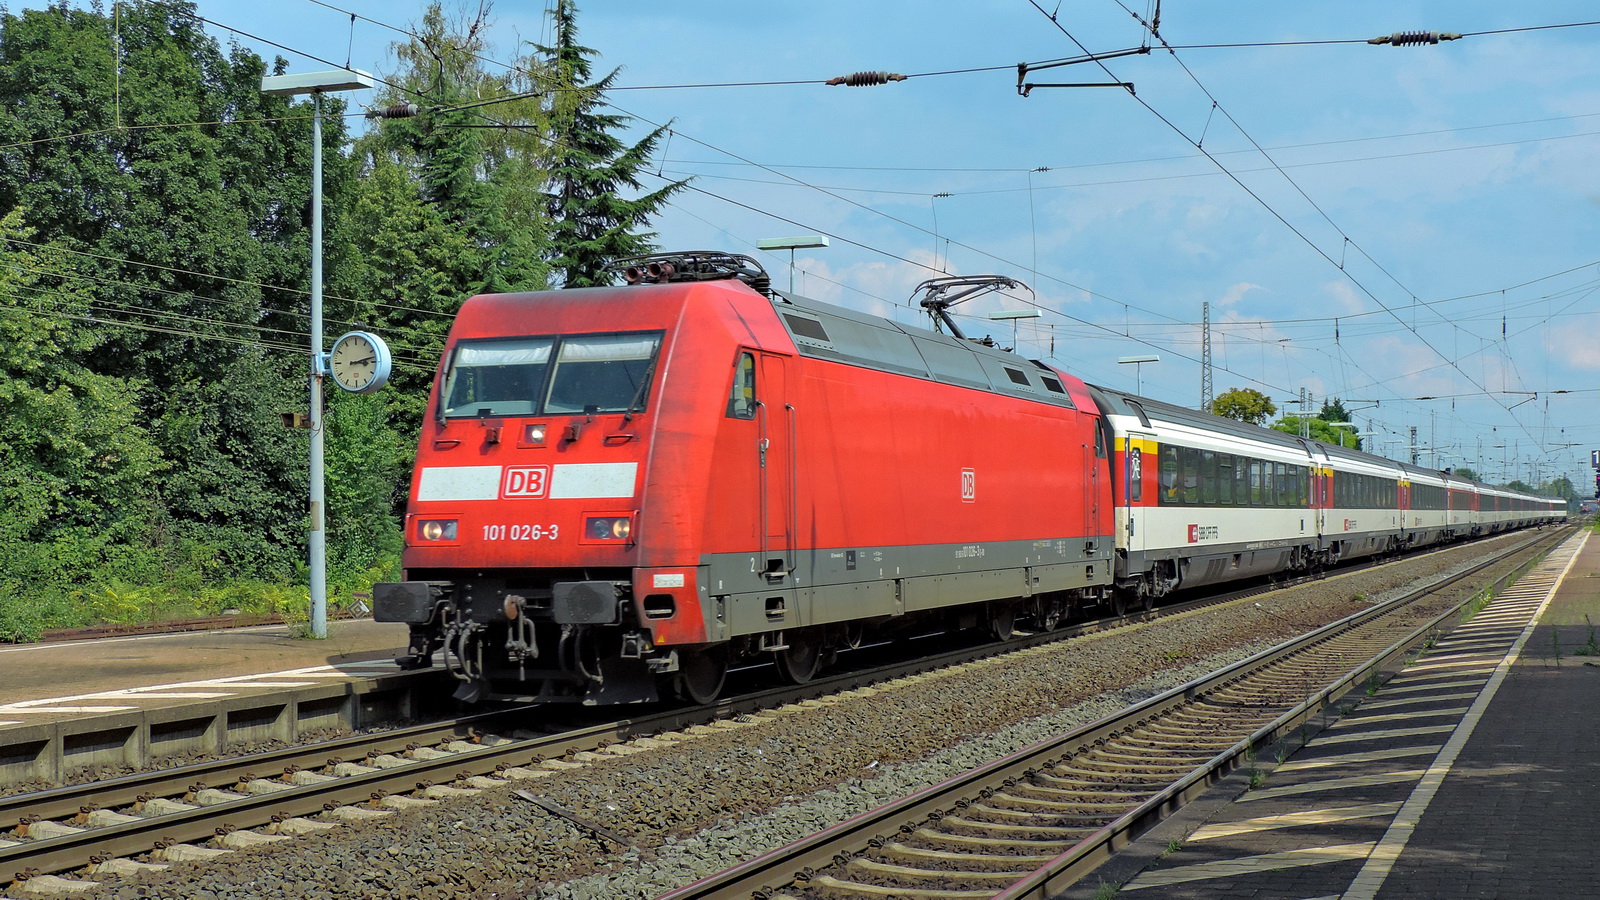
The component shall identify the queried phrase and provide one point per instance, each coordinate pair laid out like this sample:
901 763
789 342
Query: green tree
592 223
75 460
1321 430
155 154
1333 411
1244 404
1466 472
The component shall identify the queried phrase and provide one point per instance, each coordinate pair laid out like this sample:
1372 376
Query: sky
1411 229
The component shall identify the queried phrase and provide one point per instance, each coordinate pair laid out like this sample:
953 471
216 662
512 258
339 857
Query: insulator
397 111
862 79
1409 38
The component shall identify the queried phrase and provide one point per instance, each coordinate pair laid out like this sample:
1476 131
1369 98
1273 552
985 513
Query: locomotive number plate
521 532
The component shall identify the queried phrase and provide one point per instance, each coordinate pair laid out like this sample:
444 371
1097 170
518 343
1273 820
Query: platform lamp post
316 84
1138 368
1014 315
791 244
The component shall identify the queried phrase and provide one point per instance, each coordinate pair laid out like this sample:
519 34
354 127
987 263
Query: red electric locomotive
620 488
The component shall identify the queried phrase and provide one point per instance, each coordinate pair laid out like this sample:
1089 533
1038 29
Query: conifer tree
592 223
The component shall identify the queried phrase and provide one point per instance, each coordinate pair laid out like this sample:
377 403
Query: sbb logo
528 482
969 486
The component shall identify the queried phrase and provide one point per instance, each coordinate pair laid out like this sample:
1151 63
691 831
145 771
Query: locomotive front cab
521 540
551 537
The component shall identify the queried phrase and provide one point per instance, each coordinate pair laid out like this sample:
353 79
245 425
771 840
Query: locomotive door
775 448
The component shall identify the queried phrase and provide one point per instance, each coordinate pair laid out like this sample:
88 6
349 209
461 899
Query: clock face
359 362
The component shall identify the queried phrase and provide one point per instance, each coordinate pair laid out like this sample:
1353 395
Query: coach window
1169 474
1225 479
1208 478
1191 476
742 399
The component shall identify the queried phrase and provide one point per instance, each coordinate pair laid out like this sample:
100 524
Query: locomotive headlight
608 528
437 529
534 434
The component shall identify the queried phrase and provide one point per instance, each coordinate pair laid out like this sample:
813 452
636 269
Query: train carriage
1425 504
1202 499
625 489
1358 503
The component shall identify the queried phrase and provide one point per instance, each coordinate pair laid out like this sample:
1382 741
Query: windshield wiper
638 393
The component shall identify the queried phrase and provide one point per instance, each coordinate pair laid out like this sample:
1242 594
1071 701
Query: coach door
1134 462
778 425
1321 490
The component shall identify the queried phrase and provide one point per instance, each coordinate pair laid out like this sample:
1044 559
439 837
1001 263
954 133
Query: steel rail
767 873
66 852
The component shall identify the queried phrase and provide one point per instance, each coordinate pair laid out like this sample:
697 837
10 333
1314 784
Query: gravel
695 804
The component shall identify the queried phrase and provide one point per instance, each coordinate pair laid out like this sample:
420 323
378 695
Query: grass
1592 647
1106 891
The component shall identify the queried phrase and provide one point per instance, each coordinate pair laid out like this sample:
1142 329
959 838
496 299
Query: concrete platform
124 701
1474 772
39 671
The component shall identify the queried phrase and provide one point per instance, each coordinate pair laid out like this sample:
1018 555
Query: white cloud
1236 293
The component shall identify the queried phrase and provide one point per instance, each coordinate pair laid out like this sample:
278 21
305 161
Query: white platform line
47 710
1381 861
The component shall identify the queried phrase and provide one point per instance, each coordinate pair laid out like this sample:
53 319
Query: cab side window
742 398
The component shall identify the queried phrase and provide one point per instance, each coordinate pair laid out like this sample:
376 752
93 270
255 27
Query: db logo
969 486
525 481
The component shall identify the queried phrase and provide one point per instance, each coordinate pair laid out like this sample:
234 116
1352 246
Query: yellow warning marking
1384 733
1233 868
1478 664
1452 646
1295 819
1333 784
1353 759
1375 872
1357 721
1490 649
1433 686
1413 701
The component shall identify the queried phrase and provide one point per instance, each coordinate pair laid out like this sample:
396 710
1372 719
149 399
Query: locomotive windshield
597 373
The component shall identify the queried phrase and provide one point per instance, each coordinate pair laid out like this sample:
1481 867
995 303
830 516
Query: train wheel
799 661
1002 620
1120 602
701 673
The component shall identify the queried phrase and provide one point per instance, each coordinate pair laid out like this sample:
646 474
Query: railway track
1032 824
244 801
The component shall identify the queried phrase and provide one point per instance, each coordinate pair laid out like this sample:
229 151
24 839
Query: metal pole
318 541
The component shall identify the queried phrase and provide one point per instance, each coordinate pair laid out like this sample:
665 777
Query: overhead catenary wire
1267 206
871 249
